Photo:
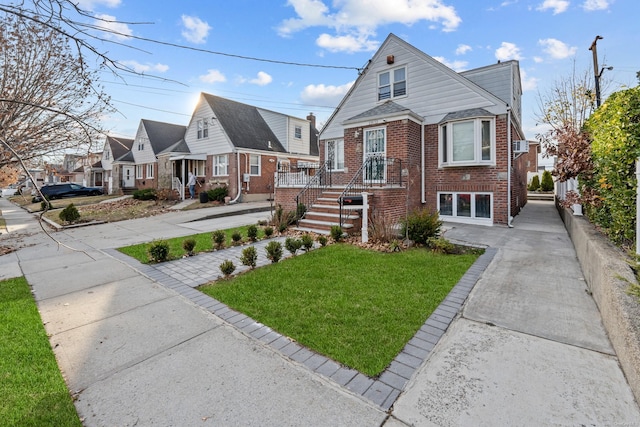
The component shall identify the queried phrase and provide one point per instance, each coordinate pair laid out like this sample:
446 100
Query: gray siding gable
433 89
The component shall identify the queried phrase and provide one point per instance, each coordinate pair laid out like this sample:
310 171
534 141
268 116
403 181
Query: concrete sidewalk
527 348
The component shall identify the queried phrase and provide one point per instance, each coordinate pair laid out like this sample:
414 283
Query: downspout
509 147
422 172
239 182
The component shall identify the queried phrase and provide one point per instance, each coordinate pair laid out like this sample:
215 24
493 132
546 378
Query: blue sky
548 37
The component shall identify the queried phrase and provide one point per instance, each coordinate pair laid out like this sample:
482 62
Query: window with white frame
149 170
107 154
254 164
465 205
468 142
139 171
298 132
335 154
392 83
220 165
203 128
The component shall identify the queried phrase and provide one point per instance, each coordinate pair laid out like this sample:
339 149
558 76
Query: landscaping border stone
608 277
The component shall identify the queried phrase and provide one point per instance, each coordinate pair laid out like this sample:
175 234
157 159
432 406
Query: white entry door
128 180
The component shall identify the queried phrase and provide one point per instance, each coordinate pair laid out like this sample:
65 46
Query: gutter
231 202
509 147
422 172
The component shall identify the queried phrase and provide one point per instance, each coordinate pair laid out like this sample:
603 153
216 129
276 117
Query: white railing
177 185
289 179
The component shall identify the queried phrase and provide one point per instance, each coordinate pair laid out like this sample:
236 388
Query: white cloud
90 4
195 29
462 49
508 51
262 79
111 28
556 49
348 43
528 83
591 5
144 68
325 95
355 22
538 59
558 6
213 76
454 65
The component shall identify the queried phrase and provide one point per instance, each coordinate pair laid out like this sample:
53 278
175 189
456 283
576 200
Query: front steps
325 213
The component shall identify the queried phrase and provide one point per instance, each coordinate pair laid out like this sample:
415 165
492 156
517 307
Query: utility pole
594 50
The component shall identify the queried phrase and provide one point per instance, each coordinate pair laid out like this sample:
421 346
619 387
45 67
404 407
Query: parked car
58 191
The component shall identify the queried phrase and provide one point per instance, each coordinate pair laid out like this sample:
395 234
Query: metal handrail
314 188
176 184
372 167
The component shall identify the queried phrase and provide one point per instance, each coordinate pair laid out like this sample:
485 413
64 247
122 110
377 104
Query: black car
58 191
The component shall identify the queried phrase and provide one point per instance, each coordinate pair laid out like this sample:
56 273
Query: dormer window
298 132
392 84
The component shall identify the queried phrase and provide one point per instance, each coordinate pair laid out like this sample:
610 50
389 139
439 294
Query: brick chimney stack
312 119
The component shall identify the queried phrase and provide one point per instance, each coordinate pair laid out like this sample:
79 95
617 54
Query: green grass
356 306
204 243
32 389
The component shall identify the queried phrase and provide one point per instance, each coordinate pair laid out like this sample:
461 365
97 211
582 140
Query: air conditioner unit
521 146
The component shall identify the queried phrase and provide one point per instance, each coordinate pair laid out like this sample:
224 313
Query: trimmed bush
159 251
307 242
535 183
268 231
293 245
69 214
219 239
236 236
322 240
252 232
189 245
145 194
249 257
336 233
227 267
547 181
274 251
420 225
218 194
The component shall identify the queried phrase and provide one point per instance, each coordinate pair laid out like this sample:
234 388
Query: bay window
467 142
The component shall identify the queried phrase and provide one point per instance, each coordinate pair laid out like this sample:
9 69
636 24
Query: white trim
477 142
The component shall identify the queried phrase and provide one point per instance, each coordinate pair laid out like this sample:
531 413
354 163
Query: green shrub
218 194
441 245
227 267
336 233
274 251
252 232
249 257
219 239
293 245
547 181
420 225
307 241
535 183
282 220
300 210
189 245
395 245
69 214
268 231
236 236
159 251
145 194
322 240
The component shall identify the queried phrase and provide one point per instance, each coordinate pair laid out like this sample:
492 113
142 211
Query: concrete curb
608 277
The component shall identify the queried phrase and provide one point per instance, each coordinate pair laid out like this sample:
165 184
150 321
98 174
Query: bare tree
49 99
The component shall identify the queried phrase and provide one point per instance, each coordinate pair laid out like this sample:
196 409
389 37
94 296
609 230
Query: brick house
240 146
114 153
413 133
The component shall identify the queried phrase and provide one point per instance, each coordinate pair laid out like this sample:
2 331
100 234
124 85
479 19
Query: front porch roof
465 114
188 156
179 147
383 111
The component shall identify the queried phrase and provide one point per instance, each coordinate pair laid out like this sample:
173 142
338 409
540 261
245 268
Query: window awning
188 157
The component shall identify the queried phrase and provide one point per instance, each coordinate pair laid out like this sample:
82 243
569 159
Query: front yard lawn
32 389
358 307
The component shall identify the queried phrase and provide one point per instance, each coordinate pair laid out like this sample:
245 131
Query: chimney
312 119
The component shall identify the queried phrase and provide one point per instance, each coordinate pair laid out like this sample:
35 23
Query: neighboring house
152 139
242 146
413 134
116 154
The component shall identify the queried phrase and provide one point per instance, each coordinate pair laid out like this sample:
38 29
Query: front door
128 180
375 149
